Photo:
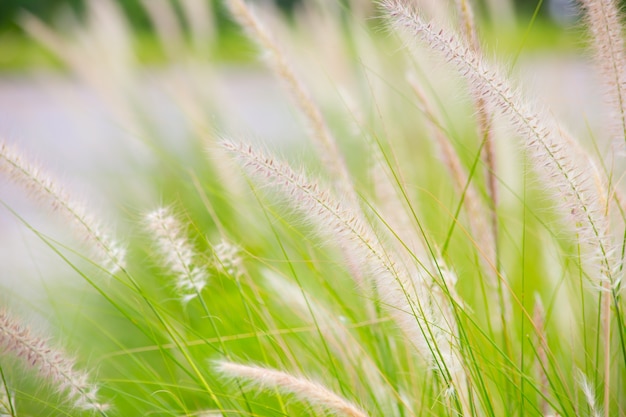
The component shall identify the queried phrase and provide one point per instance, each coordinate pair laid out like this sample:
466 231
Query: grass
433 242
22 53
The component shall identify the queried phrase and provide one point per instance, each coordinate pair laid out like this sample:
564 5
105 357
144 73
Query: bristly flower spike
44 187
228 258
547 144
177 253
327 146
53 365
603 21
304 389
403 289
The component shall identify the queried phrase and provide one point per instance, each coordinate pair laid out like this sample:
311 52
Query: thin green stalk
118 307
6 392
295 276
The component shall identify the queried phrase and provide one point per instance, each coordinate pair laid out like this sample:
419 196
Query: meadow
439 235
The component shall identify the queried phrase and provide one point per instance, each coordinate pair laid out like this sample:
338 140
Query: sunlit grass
380 264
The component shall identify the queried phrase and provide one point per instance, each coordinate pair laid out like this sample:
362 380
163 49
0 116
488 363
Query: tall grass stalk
320 133
603 21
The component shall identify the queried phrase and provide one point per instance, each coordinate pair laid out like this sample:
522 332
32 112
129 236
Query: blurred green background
46 9
20 53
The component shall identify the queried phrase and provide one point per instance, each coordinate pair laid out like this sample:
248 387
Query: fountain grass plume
603 20
177 253
570 176
326 144
228 258
589 394
421 313
43 187
303 389
331 218
53 365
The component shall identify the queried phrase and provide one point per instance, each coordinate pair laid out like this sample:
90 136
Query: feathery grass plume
332 218
589 393
42 186
410 245
103 34
549 150
51 364
228 258
177 252
603 21
303 389
440 310
404 292
325 142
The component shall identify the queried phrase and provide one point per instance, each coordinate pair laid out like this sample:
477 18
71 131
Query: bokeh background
60 120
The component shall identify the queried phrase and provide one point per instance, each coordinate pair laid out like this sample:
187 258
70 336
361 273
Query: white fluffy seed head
423 317
52 365
228 258
568 172
304 389
176 252
603 21
326 144
589 394
43 187
402 291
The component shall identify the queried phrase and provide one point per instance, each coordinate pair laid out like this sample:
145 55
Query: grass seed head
176 252
53 365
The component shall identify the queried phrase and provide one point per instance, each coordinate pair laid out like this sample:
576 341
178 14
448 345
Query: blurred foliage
47 9
10 9
19 52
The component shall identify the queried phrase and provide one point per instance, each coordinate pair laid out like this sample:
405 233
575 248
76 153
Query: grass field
432 242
